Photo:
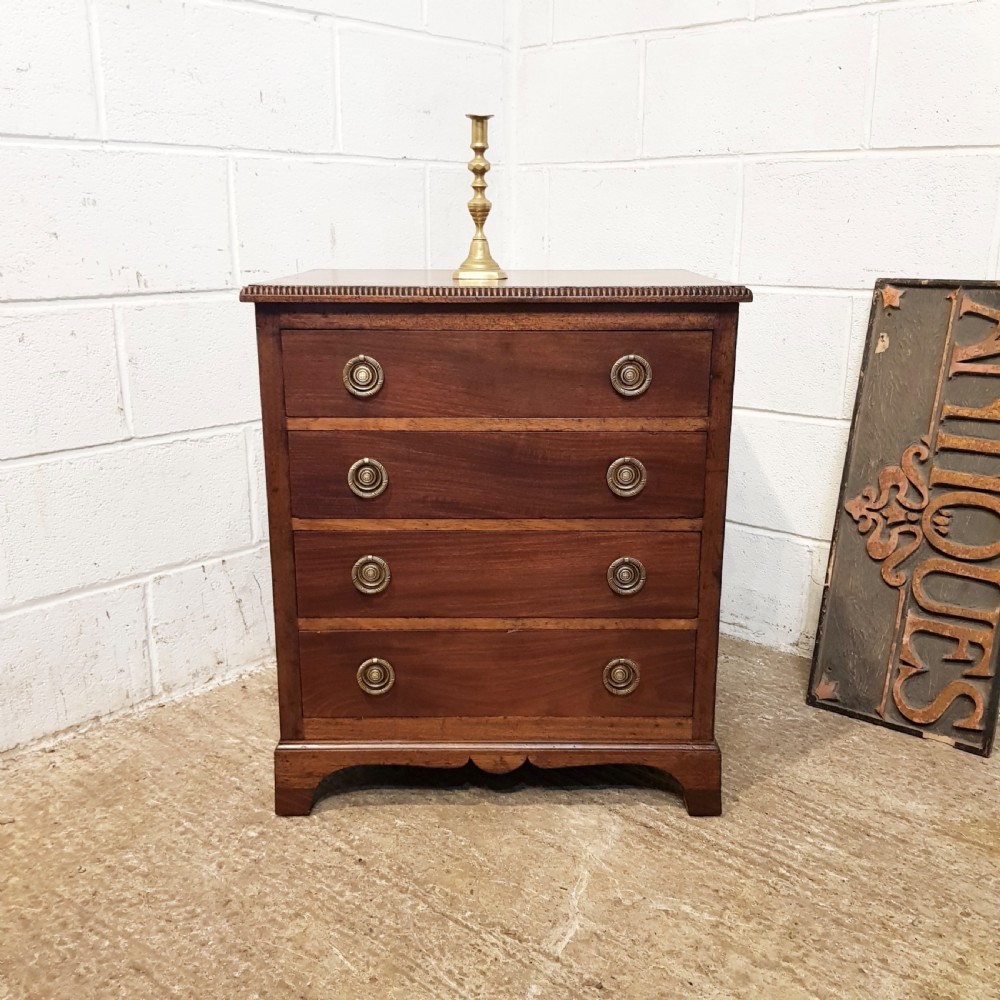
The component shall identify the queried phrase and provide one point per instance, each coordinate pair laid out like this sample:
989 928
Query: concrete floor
141 859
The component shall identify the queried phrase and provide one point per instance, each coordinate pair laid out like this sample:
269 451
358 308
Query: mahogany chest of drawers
496 520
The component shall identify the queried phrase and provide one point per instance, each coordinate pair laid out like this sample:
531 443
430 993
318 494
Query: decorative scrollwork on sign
892 511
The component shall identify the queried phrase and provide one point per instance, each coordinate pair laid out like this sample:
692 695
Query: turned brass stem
479 265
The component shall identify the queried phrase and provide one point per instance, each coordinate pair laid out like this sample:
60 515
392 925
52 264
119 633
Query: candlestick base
484 277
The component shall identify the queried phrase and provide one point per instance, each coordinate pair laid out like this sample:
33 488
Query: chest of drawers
496 520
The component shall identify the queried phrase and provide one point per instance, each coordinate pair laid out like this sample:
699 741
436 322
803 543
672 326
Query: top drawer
489 373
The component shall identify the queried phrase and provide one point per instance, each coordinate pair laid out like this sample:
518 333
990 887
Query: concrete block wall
803 147
155 155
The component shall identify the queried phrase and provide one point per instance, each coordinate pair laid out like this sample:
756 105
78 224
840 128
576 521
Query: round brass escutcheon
621 676
631 375
367 478
626 576
376 676
370 575
363 376
626 476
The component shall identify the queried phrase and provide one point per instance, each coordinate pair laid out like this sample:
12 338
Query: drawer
483 374
531 474
496 574
482 673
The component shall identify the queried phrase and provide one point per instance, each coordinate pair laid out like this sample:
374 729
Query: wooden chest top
608 287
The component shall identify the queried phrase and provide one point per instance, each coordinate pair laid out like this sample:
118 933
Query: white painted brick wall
190 364
210 620
571 113
166 79
918 52
97 222
792 355
635 216
46 75
157 155
574 19
342 214
804 147
756 84
122 511
67 361
845 222
73 660
406 97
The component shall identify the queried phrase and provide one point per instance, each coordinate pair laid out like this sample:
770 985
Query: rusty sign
908 627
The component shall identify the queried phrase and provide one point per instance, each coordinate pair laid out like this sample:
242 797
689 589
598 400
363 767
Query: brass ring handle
363 376
621 676
631 375
376 676
626 576
371 575
367 478
626 476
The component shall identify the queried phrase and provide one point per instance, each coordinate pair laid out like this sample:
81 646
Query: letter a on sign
908 628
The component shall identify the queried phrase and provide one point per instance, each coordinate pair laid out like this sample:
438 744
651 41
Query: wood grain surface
488 673
475 373
496 474
497 574
275 435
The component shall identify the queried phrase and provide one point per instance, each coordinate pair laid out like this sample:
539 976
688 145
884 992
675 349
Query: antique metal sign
908 629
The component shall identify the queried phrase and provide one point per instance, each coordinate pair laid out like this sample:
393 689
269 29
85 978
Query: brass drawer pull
376 676
371 575
631 375
367 478
363 376
621 676
626 576
626 476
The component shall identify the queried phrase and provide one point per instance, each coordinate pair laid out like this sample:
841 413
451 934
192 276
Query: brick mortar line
121 369
809 418
509 102
336 92
640 138
139 299
234 237
255 518
152 662
860 9
17 140
993 258
138 708
111 586
74 144
871 83
136 442
775 156
776 532
105 300
741 203
96 68
426 185
306 15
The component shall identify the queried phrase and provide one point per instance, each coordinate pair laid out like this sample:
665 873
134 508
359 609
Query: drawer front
483 374
532 474
480 673
495 574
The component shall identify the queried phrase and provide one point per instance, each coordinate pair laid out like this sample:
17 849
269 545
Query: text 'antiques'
930 521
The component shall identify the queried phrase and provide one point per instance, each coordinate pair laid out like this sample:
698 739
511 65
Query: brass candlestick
479 265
